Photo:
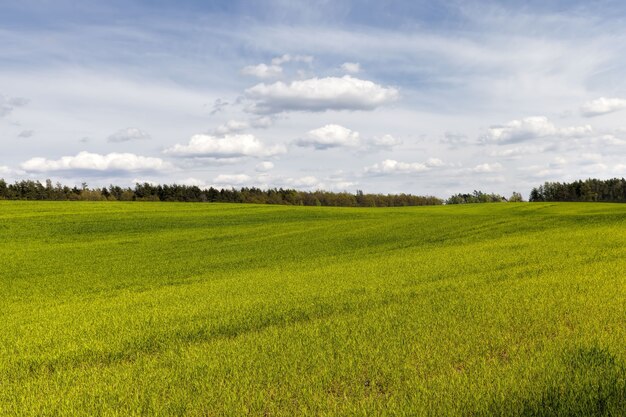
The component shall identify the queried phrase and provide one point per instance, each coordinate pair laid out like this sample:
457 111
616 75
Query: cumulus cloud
310 182
231 126
8 104
330 136
144 181
264 166
351 67
319 94
279 60
307 182
274 69
191 181
434 162
390 166
6 171
532 128
383 142
602 106
128 134
487 168
227 147
263 71
86 161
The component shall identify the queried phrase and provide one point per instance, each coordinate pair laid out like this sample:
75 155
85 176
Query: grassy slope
170 309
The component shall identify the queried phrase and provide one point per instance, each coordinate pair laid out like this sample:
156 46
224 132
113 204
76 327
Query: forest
612 190
35 190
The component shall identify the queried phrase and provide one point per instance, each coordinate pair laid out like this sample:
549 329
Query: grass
124 309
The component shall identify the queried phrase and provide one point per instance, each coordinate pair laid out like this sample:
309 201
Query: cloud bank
229 146
86 161
391 167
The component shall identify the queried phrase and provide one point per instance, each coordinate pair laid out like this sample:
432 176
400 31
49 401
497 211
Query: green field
206 309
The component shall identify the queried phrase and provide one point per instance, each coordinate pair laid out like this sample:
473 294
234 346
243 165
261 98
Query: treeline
35 190
613 190
480 197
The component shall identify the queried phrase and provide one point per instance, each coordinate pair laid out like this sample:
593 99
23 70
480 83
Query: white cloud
191 181
227 147
487 168
602 106
263 71
311 183
434 162
231 126
86 161
144 181
275 69
319 94
264 166
330 136
232 179
351 67
308 181
7 172
333 182
384 142
390 166
532 128
128 134
279 60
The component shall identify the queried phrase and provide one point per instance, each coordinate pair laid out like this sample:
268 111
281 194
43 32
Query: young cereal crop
128 309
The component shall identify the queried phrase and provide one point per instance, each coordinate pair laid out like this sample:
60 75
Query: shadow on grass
592 383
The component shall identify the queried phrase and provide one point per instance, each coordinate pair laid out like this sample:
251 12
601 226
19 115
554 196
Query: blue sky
385 96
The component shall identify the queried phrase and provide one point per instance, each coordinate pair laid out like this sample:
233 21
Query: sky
420 97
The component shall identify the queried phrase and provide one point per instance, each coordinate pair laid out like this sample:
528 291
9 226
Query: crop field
124 309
